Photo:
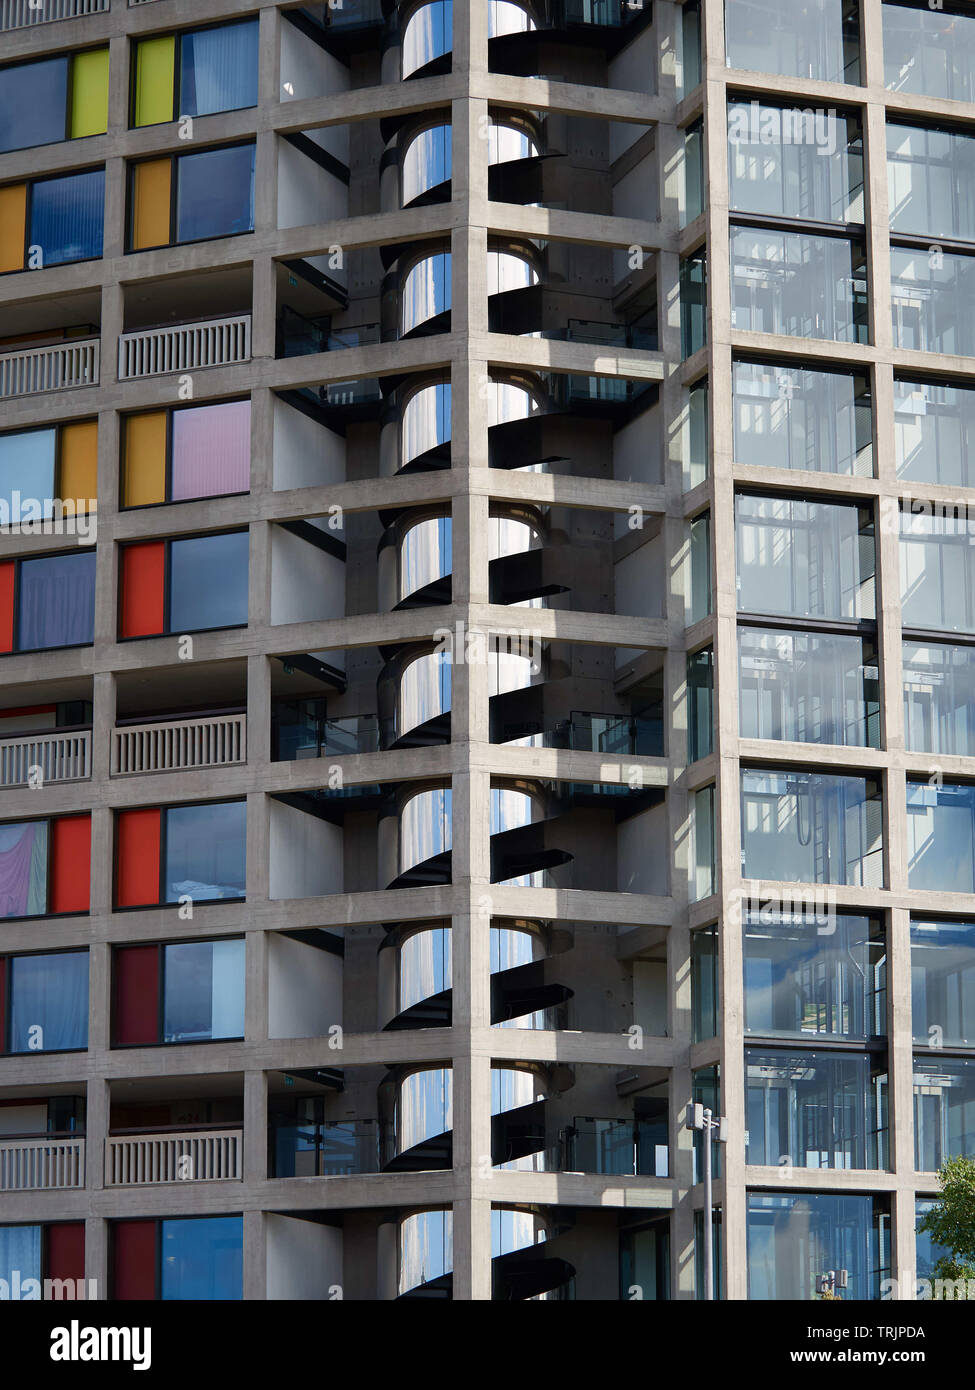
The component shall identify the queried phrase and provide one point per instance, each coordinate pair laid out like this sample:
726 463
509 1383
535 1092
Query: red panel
7 572
143 589
137 864
136 995
65 1250
71 864
3 1004
134 1260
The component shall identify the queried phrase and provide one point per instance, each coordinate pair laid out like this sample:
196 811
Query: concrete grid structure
473 313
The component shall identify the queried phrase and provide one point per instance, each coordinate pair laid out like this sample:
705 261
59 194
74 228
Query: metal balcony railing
184 347
139 1160
179 745
21 14
61 367
32 1164
37 759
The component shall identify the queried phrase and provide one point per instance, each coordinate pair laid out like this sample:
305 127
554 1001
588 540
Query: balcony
63 367
32 1164
184 347
21 14
39 759
205 1155
179 745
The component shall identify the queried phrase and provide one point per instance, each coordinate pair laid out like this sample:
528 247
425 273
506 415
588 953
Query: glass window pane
786 417
944 1110
943 983
33 104
429 34
218 69
808 688
202 1258
426 291
66 217
934 432
23 868
49 1002
810 827
929 52
795 1238
933 301
931 174
819 40
939 698
693 304
204 991
804 559
426 162
57 601
798 285
211 450
215 193
206 851
941 837
815 1109
27 467
20 1251
700 699
208 584
425 422
937 569
425 1248
425 827
791 162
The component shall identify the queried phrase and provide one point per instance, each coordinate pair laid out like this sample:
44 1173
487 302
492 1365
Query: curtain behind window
20 1250
23 869
219 69
211 450
67 217
57 601
49 995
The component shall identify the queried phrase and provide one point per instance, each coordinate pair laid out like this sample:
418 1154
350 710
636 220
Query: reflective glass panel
205 851
797 163
798 285
425 555
426 291
424 1107
425 827
204 990
27 468
934 432
795 1238
66 217
33 103
425 1248
804 559
808 687
815 1109
810 827
218 69
938 567
933 301
944 1110
939 698
202 1258
786 417
929 51
931 176
215 193
820 39
426 421
23 868
57 601
208 582
429 34
426 162
941 837
49 1002
943 983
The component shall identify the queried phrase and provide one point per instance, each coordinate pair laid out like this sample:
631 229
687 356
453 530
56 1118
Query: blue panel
203 991
57 601
66 217
208 586
215 193
33 104
49 1002
27 467
218 69
20 1251
205 851
202 1258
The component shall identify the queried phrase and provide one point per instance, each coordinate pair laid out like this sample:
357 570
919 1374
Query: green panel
155 80
89 93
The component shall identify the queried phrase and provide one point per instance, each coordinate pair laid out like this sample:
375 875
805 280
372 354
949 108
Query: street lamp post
714 1129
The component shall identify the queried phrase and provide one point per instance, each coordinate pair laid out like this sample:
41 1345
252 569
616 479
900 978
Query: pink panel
211 450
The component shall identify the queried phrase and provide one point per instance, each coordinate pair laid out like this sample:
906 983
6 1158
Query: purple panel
211 450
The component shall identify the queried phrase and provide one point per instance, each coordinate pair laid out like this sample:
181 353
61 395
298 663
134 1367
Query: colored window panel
49 1002
33 97
134 1260
67 216
8 579
206 851
89 93
27 468
155 78
79 464
136 996
13 226
71 864
215 193
211 450
208 582
65 1250
20 1250
144 480
143 589
151 185
204 991
137 849
202 1258
23 868
218 69
57 601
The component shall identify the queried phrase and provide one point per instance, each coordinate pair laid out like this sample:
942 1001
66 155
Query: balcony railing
138 1160
20 14
36 759
177 746
31 1164
335 1148
184 347
62 367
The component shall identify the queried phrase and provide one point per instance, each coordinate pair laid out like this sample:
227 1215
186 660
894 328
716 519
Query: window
47 602
173 853
929 51
428 36
811 827
191 585
941 837
180 992
61 98
933 301
821 40
46 465
426 166
788 417
939 698
930 173
694 435
816 1109
693 303
689 43
52 221
703 869
934 432
944 1110
425 827
794 1238
699 556
704 983
29 1255
808 687
805 559
799 285
943 983
198 1258
426 293
191 197
937 570
44 1002
186 452
644 1258
45 866
693 168
195 73
700 701
425 422
787 162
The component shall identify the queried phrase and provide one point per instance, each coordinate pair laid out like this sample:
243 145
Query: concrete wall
304 995
304 1259
305 854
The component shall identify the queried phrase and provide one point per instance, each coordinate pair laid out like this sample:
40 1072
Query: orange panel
7 579
144 471
151 188
137 864
79 464
71 864
13 226
143 589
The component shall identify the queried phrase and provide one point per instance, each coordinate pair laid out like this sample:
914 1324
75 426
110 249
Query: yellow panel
79 464
13 222
150 203
89 93
144 474
155 80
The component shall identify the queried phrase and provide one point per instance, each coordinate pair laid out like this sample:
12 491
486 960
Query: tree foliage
951 1221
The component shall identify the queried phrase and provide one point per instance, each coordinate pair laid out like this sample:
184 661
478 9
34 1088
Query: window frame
167 542
18 562
6 993
29 185
178 35
160 949
59 427
161 901
67 57
169 500
174 159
